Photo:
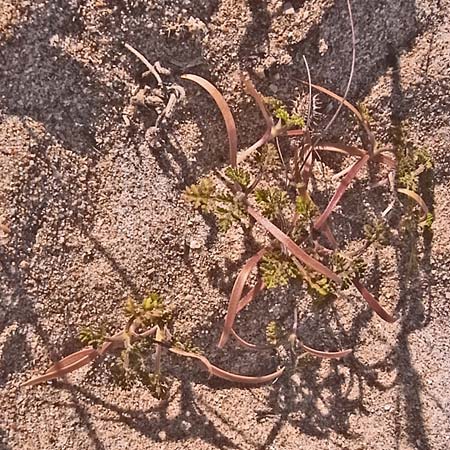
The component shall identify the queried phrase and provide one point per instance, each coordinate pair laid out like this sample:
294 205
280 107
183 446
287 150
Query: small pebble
288 9
162 435
195 244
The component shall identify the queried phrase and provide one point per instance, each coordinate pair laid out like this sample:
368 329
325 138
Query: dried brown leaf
65 366
225 375
326 355
418 199
224 109
372 302
293 247
340 191
236 295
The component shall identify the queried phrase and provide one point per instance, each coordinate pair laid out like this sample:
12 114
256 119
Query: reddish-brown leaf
249 345
293 247
225 375
292 133
224 109
251 294
66 365
236 295
326 231
267 117
373 303
355 151
340 191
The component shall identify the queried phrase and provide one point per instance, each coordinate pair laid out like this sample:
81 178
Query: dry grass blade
418 199
251 294
225 375
267 117
326 231
224 109
65 366
340 191
68 360
292 133
249 345
293 247
373 303
337 97
355 151
236 295
326 355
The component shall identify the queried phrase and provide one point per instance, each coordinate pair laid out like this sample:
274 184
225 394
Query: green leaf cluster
411 164
277 269
280 111
239 176
273 333
93 336
320 286
202 194
305 207
224 206
377 232
348 269
428 221
150 311
272 201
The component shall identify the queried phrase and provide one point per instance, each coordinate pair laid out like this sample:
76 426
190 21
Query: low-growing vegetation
268 188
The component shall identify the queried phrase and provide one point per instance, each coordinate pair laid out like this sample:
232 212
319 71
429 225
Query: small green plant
277 269
279 110
273 333
272 201
140 346
225 207
277 194
377 232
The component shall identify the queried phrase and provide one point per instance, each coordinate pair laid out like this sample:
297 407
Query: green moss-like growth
272 201
277 269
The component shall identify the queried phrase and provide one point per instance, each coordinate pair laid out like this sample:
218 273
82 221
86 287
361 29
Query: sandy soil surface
92 213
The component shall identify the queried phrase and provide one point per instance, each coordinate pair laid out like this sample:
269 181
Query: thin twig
308 123
145 61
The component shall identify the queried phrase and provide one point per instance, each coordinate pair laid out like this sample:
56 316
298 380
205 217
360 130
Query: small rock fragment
288 9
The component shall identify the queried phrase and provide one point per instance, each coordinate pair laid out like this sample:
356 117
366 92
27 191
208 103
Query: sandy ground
92 213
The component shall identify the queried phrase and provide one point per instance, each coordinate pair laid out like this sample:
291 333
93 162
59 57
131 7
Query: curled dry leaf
225 375
66 365
224 109
355 151
373 303
236 295
249 345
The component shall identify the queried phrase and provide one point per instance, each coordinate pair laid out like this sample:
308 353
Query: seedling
146 333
